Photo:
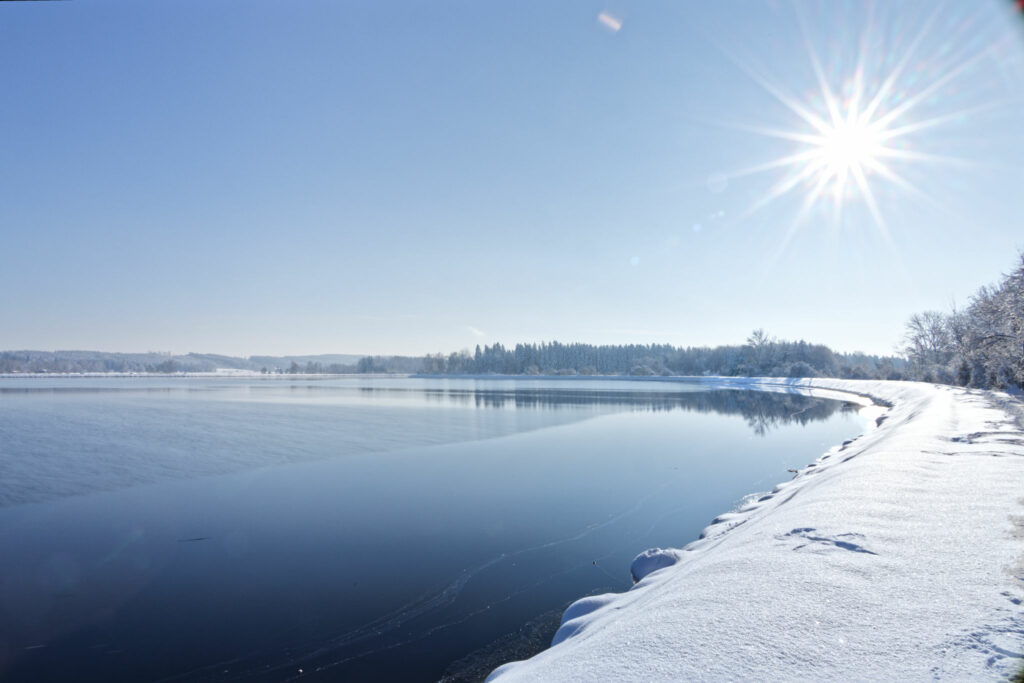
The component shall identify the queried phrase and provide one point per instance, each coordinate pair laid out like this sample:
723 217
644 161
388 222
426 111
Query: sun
848 149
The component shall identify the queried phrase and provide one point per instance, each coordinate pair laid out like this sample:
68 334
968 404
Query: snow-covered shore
899 555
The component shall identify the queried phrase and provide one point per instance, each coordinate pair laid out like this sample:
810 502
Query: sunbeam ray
936 121
789 102
781 162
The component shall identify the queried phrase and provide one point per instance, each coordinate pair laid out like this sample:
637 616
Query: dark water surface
352 529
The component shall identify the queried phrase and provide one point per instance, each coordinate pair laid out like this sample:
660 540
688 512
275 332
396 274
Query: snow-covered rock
651 561
896 556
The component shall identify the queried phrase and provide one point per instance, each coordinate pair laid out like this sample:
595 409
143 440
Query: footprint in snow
812 540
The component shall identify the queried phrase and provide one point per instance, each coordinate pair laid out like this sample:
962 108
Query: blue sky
316 177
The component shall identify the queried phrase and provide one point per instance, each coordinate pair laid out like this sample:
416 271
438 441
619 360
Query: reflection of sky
384 178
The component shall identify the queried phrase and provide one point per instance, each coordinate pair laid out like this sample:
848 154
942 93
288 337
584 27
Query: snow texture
898 555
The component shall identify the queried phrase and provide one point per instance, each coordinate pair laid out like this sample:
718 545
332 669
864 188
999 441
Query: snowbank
899 555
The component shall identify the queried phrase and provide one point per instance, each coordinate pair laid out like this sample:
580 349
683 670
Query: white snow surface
898 556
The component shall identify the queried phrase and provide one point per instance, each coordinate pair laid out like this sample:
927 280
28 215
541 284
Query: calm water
353 529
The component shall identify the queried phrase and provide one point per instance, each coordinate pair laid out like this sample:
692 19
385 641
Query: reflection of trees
763 411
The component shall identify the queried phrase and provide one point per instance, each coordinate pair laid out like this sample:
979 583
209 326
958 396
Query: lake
186 529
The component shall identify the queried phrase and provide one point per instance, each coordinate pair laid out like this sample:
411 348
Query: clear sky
306 176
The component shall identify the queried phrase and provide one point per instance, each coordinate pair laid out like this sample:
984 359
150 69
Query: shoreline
896 555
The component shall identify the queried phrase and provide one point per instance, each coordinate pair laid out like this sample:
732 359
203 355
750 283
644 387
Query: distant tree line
760 356
981 345
98 361
400 364
315 368
161 362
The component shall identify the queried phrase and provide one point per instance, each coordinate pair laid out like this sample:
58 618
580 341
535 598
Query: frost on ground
898 555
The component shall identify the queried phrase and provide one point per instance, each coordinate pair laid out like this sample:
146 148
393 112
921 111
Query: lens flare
610 21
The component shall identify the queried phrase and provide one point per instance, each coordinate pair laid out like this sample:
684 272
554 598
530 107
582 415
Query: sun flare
839 151
865 124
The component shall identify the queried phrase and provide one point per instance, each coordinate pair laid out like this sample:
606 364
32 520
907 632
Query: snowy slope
897 556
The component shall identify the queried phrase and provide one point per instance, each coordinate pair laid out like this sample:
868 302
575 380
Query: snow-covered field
897 556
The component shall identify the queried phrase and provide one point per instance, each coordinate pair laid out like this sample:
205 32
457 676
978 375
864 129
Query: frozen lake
353 529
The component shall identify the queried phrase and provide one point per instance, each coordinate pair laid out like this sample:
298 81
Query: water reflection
762 411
